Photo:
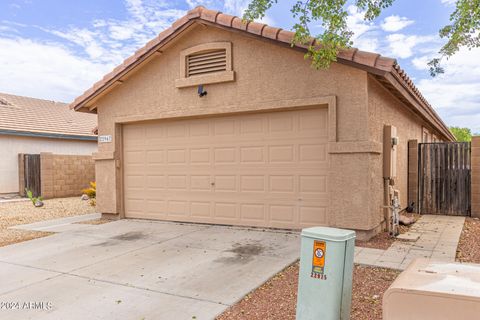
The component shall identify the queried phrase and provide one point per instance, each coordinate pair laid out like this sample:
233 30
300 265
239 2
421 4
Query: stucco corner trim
355 147
217 77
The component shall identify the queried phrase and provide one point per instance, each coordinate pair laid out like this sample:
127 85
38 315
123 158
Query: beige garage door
264 169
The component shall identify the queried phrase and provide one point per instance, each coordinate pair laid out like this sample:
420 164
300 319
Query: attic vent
206 62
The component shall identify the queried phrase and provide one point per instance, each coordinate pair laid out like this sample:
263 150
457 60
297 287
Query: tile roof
43 117
372 62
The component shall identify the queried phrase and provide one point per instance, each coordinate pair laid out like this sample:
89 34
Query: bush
92 191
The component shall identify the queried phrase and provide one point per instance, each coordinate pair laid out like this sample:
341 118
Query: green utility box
325 278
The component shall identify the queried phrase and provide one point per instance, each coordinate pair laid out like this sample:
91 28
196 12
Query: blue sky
56 49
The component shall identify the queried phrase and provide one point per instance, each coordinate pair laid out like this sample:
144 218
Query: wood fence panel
444 180
32 174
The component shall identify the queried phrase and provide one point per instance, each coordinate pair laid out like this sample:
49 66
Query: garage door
263 169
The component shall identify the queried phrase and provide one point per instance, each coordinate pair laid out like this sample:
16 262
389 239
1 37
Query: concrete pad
409 236
157 270
221 276
71 297
15 277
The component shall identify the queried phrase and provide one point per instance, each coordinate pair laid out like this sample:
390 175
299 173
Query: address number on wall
105 139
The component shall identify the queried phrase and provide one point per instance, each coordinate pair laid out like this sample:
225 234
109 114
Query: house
32 126
224 122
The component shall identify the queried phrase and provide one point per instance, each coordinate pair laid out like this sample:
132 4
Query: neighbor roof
385 69
36 117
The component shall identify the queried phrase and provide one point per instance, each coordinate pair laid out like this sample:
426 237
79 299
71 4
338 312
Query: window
206 63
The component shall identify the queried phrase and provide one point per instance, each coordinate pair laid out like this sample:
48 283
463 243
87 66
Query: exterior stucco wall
267 76
385 109
11 146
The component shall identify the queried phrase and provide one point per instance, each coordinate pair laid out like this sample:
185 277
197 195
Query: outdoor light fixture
201 92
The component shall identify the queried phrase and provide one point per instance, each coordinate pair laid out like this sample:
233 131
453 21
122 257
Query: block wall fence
476 177
61 175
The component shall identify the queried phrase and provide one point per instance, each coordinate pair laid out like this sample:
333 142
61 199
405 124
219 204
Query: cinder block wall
413 172
476 177
65 175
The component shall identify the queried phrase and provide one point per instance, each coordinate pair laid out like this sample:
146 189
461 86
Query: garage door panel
177 207
225 210
176 156
252 183
252 154
253 212
155 156
200 209
226 183
155 182
282 214
267 169
200 156
310 215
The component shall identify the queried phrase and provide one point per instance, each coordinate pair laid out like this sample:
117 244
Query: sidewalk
432 236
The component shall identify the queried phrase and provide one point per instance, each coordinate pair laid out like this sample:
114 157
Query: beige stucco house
33 126
218 121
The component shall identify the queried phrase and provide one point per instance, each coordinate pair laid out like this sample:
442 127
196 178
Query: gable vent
206 62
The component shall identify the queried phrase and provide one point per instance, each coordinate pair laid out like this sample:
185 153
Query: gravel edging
23 212
276 299
468 249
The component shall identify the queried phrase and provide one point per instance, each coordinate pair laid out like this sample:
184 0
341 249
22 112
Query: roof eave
52 135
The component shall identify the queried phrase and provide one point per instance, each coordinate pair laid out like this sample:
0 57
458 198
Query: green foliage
461 134
31 197
91 192
463 31
332 14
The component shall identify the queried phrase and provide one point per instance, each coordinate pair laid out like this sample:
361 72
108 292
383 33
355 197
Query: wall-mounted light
201 92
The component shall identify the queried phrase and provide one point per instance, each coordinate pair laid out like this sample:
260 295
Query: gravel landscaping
468 249
23 212
276 299
383 240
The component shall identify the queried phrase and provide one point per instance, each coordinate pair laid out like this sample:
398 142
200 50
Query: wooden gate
444 178
32 174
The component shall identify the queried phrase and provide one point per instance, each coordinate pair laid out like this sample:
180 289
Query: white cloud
80 56
45 70
363 37
448 2
402 46
395 23
456 93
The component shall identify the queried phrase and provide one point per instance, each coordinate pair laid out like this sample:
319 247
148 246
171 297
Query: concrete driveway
136 269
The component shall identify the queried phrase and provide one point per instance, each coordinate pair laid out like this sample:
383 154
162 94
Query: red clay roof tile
238 23
255 28
225 19
285 36
270 32
209 15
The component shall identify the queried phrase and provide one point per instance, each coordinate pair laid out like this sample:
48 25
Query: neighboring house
32 126
272 142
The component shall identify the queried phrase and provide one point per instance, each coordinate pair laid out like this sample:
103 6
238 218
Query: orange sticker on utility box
318 260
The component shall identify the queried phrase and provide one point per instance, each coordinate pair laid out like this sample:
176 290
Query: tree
463 30
461 134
